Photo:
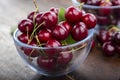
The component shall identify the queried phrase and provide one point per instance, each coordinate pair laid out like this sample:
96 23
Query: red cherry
24 38
32 15
109 49
89 20
60 33
49 19
30 51
115 2
105 11
64 58
116 38
52 44
66 25
79 32
73 15
25 26
46 63
44 35
55 10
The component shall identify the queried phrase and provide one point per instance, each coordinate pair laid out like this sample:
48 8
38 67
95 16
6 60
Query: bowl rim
90 35
76 3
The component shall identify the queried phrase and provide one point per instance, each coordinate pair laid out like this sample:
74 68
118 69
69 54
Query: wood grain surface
12 67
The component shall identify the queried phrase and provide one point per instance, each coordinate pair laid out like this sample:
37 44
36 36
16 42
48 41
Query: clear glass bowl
106 16
77 53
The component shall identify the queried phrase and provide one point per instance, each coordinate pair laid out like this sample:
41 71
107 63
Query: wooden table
12 67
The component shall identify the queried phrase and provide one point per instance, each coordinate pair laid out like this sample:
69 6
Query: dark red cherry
24 38
44 35
109 49
49 19
118 49
30 51
55 10
115 2
25 26
38 18
60 33
66 25
46 63
105 11
73 15
117 38
52 44
32 15
64 58
81 24
89 20
79 32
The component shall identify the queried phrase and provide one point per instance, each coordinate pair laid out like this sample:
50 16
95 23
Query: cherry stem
70 77
36 6
72 50
81 5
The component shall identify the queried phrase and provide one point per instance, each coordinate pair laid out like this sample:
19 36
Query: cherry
104 36
115 2
105 11
52 44
66 25
26 26
60 32
24 38
79 32
46 63
116 38
55 10
73 15
81 24
118 49
32 15
109 49
90 20
64 58
30 51
49 19
38 18
44 35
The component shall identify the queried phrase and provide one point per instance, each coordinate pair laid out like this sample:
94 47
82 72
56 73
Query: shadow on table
71 76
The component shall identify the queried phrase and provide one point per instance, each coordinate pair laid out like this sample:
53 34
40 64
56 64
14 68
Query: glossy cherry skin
26 26
109 49
55 10
30 51
90 20
116 38
32 15
73 15
66 25
64 58
49 19
44 35
60 33
24 38
79 32
46 63
52 44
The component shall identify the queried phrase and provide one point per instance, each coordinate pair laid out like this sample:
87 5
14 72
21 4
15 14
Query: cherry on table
109 49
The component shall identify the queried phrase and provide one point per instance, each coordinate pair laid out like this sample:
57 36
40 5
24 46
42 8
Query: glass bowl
67 58
106 16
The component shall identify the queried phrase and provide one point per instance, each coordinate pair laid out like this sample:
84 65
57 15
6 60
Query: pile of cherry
110 41
46 29
105 16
